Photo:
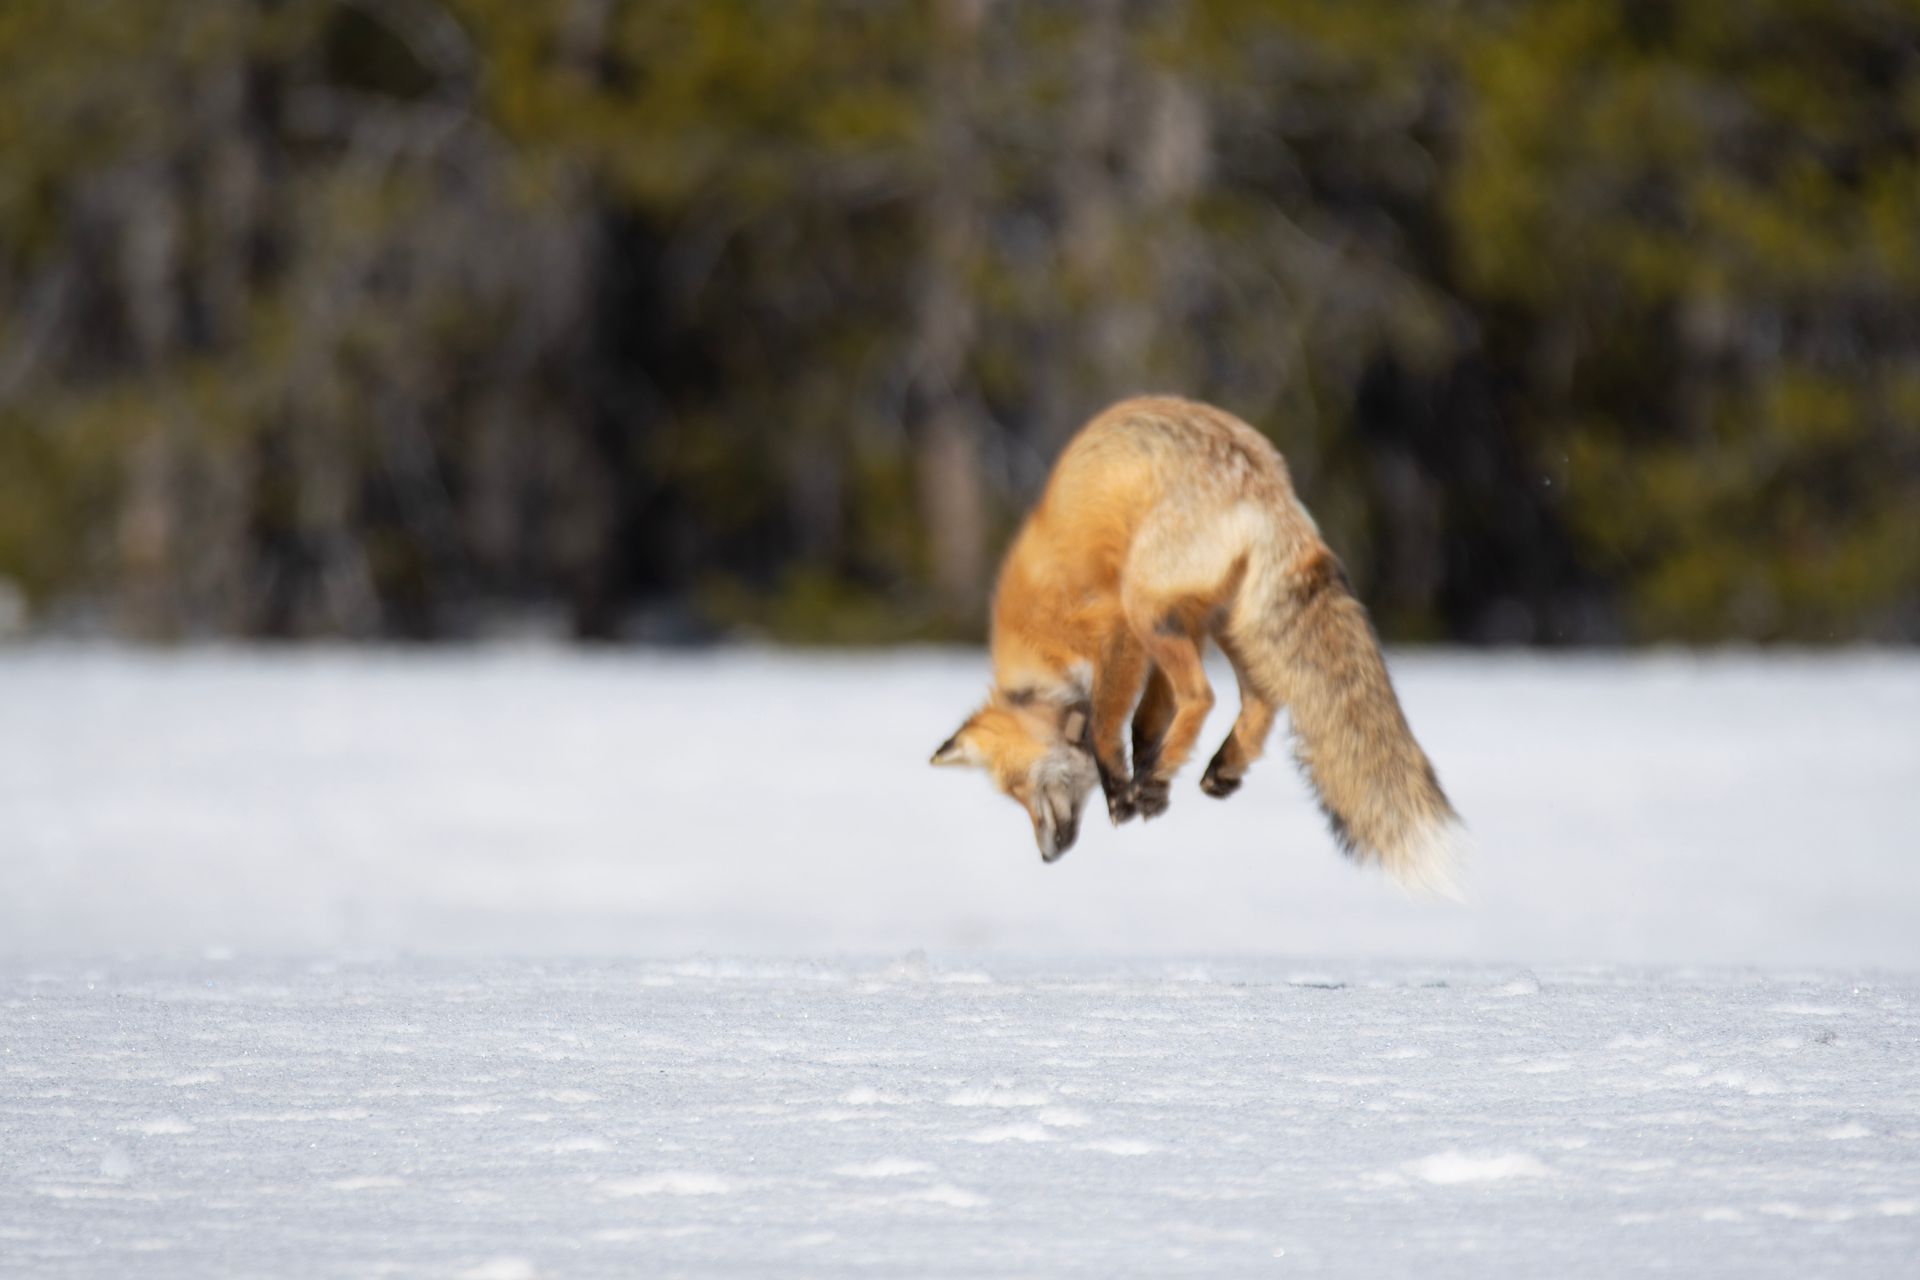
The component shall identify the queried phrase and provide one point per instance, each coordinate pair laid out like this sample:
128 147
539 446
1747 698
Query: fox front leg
1150 721
1118 789
1174 650
1114 693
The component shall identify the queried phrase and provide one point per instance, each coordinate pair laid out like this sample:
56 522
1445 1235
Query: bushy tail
1314 651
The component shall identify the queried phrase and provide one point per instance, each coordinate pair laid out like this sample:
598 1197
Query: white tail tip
1433 861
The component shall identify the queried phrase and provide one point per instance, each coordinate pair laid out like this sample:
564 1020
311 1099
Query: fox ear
958 749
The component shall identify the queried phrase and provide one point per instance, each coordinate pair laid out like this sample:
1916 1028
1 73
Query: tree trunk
948 443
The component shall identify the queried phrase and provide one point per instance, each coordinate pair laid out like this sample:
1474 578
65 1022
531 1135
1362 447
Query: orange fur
1165 523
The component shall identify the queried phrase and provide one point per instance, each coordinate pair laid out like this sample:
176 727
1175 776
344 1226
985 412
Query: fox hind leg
1248 739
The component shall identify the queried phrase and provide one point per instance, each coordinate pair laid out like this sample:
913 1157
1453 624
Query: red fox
1167 522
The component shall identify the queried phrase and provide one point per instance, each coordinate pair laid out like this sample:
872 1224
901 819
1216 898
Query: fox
1167 523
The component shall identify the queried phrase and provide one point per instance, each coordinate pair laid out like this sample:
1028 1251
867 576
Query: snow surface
1659 810
915 1119
354 964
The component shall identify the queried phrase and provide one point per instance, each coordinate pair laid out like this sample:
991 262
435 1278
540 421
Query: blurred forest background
1578 320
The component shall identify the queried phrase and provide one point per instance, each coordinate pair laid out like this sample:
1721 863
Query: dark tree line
1577 321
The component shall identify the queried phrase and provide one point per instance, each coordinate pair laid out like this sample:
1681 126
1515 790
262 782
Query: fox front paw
1150 796
1119 793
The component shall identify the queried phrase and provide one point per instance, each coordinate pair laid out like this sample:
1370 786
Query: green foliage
323 316
1715 205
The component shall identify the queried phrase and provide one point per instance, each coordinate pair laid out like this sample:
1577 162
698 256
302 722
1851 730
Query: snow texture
342 964
655 1118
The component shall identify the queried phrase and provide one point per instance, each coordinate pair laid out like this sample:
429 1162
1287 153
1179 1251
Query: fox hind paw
1223 775
1218 784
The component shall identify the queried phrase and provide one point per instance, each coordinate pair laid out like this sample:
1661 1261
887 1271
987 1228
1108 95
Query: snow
1065 1118
523 964
1664 810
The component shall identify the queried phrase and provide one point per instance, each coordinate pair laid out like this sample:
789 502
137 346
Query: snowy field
514 964
653 1118
1667 810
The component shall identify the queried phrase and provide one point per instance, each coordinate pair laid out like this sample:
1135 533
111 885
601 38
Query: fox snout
1054 831
1057 790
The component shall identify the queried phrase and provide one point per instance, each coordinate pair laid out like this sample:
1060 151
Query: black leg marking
1150 796
1145 755
1119 794
1217 781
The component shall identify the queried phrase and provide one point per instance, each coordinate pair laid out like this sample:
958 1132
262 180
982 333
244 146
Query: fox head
1036 752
